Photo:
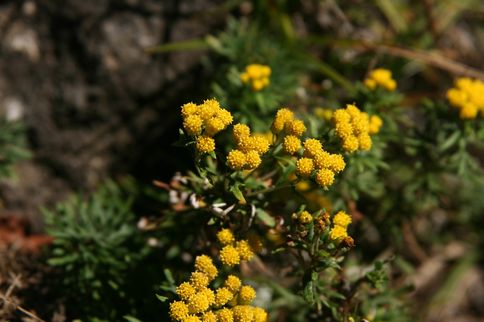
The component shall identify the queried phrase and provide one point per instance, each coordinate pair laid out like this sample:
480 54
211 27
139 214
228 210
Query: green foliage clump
13 145
96 247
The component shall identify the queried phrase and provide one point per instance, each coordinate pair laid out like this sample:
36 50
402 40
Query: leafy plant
96 247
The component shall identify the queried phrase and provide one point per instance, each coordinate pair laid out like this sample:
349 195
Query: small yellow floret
253 160
229 255
468 97
304 167
260 315
213 126
222 296
189 109
225 116
246 294
205 265
193 125
205 144
291 144
257 75
208 109
375 124
312 147
260 144
324 113
325 177
468 111
322 160
191 318
342 219
341 116
338 233
209 294
209 317
380 77
364 142
178 310
370 83
233 283
336 163
225 236
240 131
236 159
295 127
225 315
257 85
185 290
283 116
305 217
199 280
244 250
198 303
350 144
243 313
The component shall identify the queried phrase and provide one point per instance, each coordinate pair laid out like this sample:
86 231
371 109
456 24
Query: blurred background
90 90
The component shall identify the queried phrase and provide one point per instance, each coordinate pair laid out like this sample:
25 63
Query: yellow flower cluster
375 124
233 251
380 77
292 127
228 303
316 159
257 75
353 128
468 97
249 149
204 121
340 224
324 113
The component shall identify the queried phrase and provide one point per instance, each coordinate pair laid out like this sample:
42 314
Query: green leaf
265 217
161 298
237 193
309 292
450 141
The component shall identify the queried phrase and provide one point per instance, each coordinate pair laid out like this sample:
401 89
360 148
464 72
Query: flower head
342 219
325 177
185 290
283 116
295 127
243 313
244 250
209 317
305 217
380 77
205 265
229 255
291 144
246 294
205 144
225 315
222 296
236 159
312 147
199 280
178 310
257 75
233 283
375 124
225 236
338 233
304 167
